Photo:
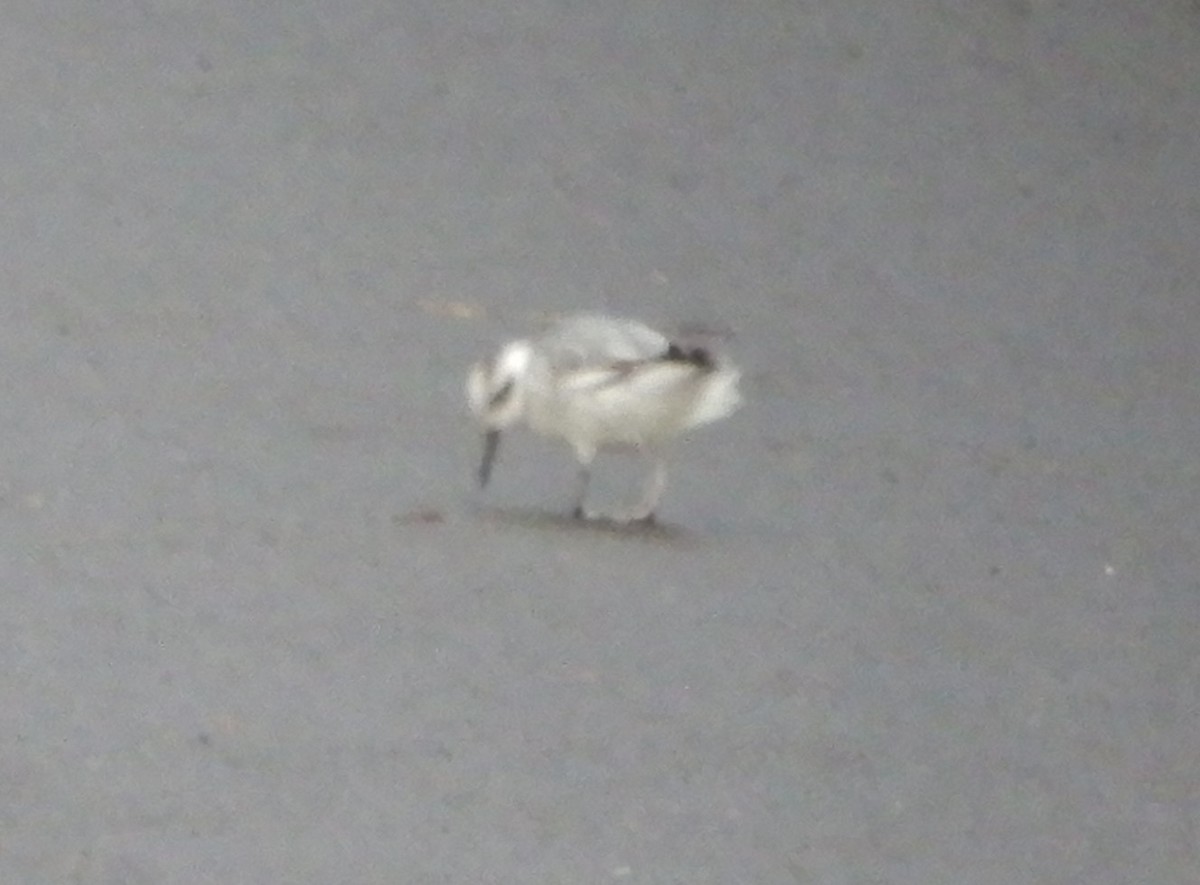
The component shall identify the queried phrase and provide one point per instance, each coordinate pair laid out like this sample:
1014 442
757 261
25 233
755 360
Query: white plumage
601 384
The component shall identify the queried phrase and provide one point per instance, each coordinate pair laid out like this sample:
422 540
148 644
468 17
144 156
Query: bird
602 384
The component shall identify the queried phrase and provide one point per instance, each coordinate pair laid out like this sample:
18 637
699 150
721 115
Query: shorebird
601 384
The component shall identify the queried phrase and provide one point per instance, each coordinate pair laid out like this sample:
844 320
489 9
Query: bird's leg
656 483
581 484
583 477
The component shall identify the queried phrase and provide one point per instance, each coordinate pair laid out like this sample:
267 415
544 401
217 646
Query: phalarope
601 384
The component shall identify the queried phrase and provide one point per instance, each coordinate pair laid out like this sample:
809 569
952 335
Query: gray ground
926 611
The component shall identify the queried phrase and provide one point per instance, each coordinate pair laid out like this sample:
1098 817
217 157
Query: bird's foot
637 517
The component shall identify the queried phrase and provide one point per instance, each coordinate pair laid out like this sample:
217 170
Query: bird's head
496 395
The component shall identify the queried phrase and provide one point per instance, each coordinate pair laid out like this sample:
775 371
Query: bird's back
593 341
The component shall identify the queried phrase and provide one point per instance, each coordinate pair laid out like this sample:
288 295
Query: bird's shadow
529 518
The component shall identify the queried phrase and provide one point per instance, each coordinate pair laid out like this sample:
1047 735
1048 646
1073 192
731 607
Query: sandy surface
926 611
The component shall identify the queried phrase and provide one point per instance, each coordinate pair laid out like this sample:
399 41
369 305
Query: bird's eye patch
501 395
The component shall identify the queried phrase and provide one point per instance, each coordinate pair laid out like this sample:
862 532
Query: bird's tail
718 396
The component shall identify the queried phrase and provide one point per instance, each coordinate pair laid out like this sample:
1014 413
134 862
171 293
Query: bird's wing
598 342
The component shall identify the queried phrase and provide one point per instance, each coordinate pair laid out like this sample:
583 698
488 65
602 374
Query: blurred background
924 611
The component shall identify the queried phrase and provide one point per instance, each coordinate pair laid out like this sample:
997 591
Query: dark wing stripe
696 356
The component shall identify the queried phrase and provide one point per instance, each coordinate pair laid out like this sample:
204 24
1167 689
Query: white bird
601 384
